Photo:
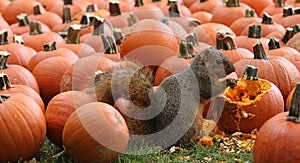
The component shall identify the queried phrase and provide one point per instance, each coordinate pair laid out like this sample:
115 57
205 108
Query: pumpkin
277 70
284 38
93 9
117 18
198 46
290 20
227 14
294 41
276 8
110 47
5 26
294 3
202 16
23 128
50 50
101 133
147 11
250 104
289 99
286 12
58 111
75 9
279 133
205 5
67 20
4 4
17 74
177 28
49 4
254 4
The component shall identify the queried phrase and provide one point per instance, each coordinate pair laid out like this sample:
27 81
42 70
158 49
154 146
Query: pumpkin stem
18 39
273 43
66 15
165 20
294 110
297 1
288 11
233 3
49 46
249 13
186 50
3 59
289 33
296 28
132 19
267 19
171 1
3 37
35 28
156 0
193 22
174 10
193 38
73 34
114 8
4 97
87 19
37 9
297 10
68 2
139 3
23 20
98 26
109 44
250 73
254 31
118 35
5 82
203 1
92 8
225 41
279 3
259 52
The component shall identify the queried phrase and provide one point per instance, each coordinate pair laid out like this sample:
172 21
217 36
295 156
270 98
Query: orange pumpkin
276 8
205 5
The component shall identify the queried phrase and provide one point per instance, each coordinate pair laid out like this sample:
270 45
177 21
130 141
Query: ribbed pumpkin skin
23 128
95 132
277 141
58 111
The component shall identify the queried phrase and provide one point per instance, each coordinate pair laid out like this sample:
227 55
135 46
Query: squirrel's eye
219 61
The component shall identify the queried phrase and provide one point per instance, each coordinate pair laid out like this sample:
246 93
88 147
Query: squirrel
178 101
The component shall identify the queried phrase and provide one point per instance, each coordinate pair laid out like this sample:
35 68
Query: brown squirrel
173 112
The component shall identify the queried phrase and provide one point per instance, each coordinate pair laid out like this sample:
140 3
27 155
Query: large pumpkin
95 132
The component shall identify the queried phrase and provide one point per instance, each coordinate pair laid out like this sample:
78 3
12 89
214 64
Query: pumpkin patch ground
48 115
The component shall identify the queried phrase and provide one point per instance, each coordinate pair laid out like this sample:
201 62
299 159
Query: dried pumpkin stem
296 28
294 110
132 19
174 10
165 20
114 8
49 46
98 26
267 19
92 8
233 3
37 9
35 28
139 3
250 73
279 3
18 39
3 37
186 50
225 41
249 13
73 34
109 44
23 20
118 35
254 31
288 11
3 59
156 0
203 1
66 15
193 38
273 43
4 97
171 1
297 10
5 82
259 52
68 2
87 19
289 33
297 1
193 22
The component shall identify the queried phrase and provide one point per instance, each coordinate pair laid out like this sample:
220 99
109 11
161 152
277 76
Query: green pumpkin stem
5 82
3 37
250 73
109 44
114 8
132 19
267 19
254 31
35 28
139 3
259 52
3 59
225 41
186 50
279 3
49 46
73 34
92 8
174 10
193 38
68 2
294 110
273 43
289 33
249 13
18 39
118 36
98 26
37 9
287 11
233 3
23 20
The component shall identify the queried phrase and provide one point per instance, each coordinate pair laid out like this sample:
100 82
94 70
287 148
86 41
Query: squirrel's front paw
231 82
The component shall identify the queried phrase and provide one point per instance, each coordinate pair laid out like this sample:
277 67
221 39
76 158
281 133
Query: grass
197 154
